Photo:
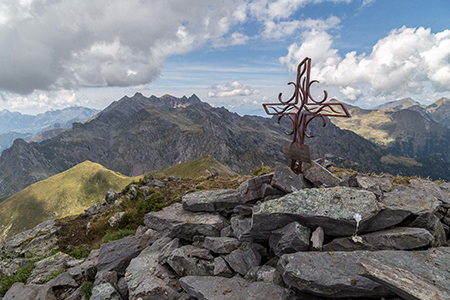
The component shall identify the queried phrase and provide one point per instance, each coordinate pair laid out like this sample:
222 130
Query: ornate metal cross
301 109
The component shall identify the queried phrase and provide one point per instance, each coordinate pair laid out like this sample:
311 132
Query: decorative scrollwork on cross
301 108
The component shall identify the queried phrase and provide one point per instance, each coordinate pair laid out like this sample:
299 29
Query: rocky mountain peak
397 104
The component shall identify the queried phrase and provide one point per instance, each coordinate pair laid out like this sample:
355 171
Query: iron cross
301 109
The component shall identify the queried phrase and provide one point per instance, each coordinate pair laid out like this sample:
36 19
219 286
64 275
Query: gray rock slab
212 201
269 274
431 187
242 210
242 261
368 182
63 280
291 238
19 291
317 238
185 261
399 204
167 250
319 176
403 283
400 238
252 189
147 279
333 209
221 245
269 191
105 291
221 268
286 180
220 288
333 274
431 223
173 221
116 255
241 228
45 267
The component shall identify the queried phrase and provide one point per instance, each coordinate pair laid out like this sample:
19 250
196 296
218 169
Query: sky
231 53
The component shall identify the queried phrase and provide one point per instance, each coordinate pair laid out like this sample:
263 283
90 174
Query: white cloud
405 61
51 45
231 89
234 39
44 100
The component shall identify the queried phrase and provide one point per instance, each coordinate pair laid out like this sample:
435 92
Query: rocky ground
277 236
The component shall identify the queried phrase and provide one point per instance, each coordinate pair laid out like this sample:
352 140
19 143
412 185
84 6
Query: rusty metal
302 108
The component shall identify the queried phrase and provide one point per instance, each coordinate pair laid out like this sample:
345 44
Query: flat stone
400 238
147 279
431 187
431 223
319 176
63 280
333 274
45 267
220 288
269 274
212 201
227 232
185 262
403 283
105 291
368 182
333 209
221 268
317 238
286 180
175 222
116 255
242 210
399 204
269 191
251 189
242 261
221 245
20 291
289 239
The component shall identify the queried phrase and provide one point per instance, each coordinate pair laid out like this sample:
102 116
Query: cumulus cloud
234 39
231 89
404 61
66 44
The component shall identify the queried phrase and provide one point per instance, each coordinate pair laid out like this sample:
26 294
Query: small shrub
263 170
86 289
80 252
53 274
21 276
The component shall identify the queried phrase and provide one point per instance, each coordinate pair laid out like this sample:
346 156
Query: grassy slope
64 194
204 166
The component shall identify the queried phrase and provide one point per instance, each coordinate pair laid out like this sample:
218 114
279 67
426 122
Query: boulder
287 181
167 249
147 279
400 238
333 274
319 176
156 183
221 245
403 283
107 277
241 228
174 222
289 239
227 232
36 292
399 204
87 269
368 182
111 196
333 209
185 261
244 211
221 268
431 223
212 201
105 291
252 189
242 261
317 238
116 255
45 267
63 281
264 273
269 192
432 188
220 288
115 219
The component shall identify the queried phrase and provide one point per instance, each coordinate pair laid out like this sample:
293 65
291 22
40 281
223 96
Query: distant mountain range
15 125
137 134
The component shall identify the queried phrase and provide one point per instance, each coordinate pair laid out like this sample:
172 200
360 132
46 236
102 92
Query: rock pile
279 236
